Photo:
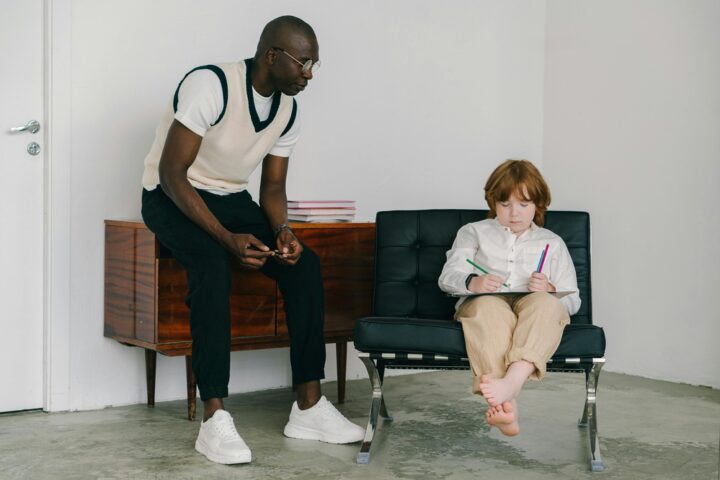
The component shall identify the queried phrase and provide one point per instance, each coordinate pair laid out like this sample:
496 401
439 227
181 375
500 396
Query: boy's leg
541 321
488 323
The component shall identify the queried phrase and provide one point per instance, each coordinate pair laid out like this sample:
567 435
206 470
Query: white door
21 206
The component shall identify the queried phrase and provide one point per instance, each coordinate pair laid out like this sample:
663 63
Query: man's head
287 54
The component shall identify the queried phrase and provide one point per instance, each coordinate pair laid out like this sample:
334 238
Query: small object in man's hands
253 247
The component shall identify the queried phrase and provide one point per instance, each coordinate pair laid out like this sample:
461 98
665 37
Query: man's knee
217 264
210 269
309 263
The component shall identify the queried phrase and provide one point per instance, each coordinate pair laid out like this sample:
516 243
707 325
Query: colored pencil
541 262
481 269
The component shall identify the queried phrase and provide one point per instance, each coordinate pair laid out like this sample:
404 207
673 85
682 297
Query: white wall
407 89
632 134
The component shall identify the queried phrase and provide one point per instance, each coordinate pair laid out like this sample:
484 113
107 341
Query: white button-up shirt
511 257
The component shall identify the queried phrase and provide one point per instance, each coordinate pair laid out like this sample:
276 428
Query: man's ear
270 56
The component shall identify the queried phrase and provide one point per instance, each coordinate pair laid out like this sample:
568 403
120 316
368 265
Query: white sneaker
322 422
220 442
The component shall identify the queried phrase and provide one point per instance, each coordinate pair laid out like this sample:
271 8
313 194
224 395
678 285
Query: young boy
510 338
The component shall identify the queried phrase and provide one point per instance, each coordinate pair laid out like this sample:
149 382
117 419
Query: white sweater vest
233 147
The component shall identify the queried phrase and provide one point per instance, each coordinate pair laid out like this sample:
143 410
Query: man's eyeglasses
308 66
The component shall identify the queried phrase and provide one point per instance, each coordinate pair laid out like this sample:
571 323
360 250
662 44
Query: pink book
321 203
321 211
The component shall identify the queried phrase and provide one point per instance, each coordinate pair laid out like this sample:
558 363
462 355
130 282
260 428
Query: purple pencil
542 258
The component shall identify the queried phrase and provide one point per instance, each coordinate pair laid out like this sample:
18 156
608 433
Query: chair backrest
410 252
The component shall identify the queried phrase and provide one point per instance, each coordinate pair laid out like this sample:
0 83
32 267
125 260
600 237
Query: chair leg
582 422
383 408
191 388
150 363
363 456
589 417
341 357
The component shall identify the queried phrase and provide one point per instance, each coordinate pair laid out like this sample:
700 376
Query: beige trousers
501 330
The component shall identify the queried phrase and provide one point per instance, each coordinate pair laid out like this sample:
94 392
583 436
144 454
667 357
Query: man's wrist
222 236
280 228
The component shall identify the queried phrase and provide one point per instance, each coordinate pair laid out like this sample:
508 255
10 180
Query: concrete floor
648 429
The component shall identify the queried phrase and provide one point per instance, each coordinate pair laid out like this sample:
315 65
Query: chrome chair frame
376 364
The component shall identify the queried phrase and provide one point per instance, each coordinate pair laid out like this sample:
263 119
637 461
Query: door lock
33 148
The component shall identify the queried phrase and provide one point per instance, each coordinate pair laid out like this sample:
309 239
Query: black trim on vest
223 83
251 101
292 118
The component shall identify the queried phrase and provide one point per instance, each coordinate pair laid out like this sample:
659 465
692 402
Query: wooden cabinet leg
150 363
341 354
191 387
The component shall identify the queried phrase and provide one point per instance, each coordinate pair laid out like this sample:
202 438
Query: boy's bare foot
504 417
499 390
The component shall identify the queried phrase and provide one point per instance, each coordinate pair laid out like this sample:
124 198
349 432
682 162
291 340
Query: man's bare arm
273 200
181 148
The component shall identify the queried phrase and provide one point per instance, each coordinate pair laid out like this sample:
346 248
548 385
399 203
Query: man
224 120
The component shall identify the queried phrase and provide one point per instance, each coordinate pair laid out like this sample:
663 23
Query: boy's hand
485 284
540 283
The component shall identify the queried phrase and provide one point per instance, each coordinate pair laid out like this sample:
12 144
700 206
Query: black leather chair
412 324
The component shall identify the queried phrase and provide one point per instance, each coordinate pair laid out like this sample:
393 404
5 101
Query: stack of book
325 211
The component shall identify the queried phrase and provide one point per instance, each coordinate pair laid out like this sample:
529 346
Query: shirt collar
533 228
259 125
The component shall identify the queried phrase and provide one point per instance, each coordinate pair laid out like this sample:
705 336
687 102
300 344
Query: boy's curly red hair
523 179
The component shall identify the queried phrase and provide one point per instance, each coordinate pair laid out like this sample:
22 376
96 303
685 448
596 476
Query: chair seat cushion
445 337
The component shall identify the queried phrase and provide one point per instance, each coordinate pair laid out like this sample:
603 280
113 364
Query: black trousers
208 267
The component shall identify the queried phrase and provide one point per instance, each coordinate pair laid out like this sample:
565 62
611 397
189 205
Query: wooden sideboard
145 291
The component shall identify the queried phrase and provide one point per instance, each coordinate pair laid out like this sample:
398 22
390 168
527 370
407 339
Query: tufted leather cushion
410 312
445 337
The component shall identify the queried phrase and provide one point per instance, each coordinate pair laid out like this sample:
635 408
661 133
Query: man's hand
540 283
289 247
485 284
251 252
